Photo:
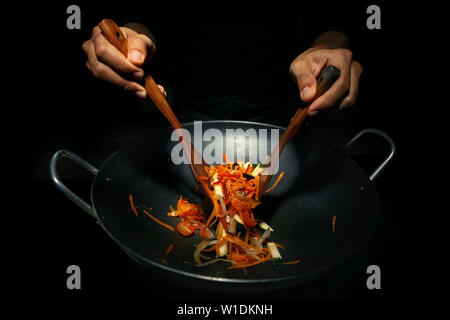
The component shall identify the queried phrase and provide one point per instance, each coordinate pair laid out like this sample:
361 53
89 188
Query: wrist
141 29
331 40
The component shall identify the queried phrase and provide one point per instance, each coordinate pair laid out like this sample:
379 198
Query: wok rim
137 257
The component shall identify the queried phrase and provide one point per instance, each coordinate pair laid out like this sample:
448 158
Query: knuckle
127 86
297 67
348 102
122 69
98 70
100 48
359 68
347 54
293 66
298 63
142 41
85 45
95 31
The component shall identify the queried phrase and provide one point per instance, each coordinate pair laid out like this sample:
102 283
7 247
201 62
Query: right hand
108 63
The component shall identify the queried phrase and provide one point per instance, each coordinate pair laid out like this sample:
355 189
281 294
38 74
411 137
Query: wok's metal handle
383 135
61 187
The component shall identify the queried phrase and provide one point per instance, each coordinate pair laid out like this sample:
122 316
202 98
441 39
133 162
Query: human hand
307 67
107 63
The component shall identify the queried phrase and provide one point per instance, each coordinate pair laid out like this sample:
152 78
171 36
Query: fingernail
306 93
135 56
141 93
314 112
138 74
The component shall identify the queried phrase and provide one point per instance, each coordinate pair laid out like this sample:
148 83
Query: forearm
331 40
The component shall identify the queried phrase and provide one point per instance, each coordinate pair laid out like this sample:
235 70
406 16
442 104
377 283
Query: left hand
307 67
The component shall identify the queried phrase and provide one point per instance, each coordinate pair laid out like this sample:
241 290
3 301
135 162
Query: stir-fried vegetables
234 188
191 216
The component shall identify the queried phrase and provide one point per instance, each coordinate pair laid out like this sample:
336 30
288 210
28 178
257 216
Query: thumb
306 83
138 48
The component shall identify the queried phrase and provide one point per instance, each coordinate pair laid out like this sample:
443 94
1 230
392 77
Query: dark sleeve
152 16
348 18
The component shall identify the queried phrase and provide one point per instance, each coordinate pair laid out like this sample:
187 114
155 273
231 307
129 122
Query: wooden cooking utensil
114 35
328 76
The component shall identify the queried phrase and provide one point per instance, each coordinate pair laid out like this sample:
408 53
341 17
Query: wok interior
319 183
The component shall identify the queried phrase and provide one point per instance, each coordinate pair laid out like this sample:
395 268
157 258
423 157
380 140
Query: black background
67 108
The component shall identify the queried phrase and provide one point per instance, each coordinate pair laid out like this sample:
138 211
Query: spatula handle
328 76
114 35
326 79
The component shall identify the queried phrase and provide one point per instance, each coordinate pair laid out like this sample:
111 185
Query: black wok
319 183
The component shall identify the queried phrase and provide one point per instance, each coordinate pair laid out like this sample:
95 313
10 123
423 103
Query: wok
319 182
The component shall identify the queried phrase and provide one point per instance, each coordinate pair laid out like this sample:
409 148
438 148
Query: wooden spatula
328 76
114 35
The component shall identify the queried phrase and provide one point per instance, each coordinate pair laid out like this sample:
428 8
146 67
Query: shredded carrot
244 265
276 182
160 222
250 194
132 205
333 223
164 261
169 249
292 262
241 243
257 188
279 245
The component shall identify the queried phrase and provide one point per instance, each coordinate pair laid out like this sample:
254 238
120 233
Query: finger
163 91
350 100
88 48
140 49
109 55
104 72
338 90
306 81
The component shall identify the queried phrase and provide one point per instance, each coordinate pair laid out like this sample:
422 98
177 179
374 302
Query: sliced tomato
185 229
